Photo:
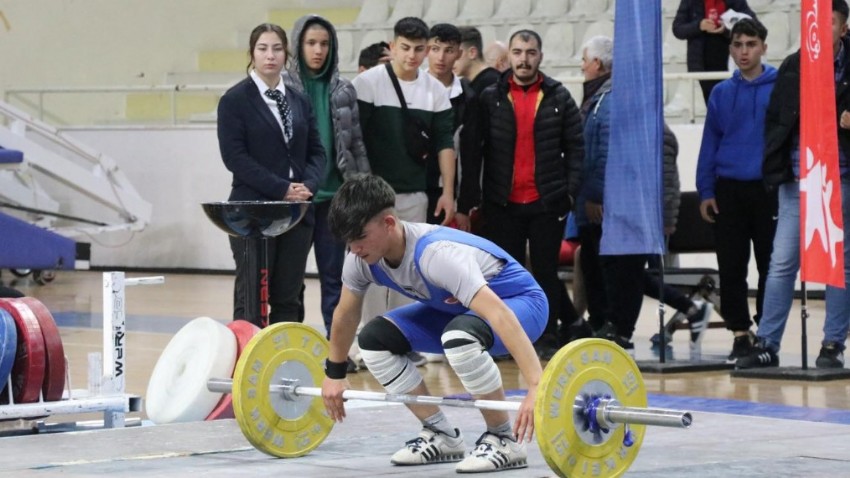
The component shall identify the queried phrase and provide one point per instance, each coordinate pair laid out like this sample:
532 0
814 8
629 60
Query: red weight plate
28 371
8 346
244 332
54 373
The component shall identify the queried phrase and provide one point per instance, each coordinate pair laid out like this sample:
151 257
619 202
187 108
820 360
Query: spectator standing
269 140
698 22
471 65
729 179
496 56
383 121
443 51
610 284
374 54
529 160
596 61
313 71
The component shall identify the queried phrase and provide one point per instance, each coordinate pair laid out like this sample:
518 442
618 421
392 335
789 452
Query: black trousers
747 214
652 287
514 226
624 286
591 268
715 58
287 260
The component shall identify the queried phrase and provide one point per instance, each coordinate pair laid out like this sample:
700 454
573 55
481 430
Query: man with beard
530 155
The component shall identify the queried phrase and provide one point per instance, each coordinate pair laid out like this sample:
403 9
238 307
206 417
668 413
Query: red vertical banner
821 224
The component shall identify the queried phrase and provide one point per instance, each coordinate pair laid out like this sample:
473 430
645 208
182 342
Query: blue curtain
632 221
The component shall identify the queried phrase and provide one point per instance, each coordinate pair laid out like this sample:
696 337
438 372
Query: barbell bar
588 389
609 413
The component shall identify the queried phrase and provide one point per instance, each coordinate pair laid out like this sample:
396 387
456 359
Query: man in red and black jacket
529 141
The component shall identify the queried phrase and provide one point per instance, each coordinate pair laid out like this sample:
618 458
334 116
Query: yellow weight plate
278 427
583 370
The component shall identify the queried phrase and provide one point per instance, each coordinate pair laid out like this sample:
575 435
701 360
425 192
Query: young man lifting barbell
473 300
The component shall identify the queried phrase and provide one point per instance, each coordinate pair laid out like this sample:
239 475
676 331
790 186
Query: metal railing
35 99
23 97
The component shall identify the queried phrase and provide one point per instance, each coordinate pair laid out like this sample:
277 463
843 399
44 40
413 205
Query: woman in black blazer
272 147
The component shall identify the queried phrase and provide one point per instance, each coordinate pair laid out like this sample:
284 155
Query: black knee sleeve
381 334
471 325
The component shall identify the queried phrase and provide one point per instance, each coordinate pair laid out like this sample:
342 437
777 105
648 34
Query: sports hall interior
138 83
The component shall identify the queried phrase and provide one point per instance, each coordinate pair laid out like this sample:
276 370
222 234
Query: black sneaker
607 331
546 347
741 347
351 367
831 356
655 346
759 356
626 344
578 330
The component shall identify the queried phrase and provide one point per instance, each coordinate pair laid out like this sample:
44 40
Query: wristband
336 370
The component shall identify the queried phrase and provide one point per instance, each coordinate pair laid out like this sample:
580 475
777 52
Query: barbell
589 417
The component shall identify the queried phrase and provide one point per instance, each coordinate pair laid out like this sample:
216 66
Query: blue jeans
784 265
330 256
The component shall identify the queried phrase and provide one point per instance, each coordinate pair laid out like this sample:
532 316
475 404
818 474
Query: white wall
175 170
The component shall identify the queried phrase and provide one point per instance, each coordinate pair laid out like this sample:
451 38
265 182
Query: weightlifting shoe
431 446
494 453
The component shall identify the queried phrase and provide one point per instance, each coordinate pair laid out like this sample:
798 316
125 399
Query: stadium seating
406 8
559 44
550 10
373 12
477 11
441 11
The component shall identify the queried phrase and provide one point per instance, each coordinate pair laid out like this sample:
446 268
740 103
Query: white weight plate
177 391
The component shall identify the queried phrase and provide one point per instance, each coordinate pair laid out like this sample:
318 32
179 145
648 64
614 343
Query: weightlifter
473 301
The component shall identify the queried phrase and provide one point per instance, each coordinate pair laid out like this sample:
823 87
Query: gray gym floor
718 445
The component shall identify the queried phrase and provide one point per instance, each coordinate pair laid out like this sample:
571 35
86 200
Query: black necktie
285 112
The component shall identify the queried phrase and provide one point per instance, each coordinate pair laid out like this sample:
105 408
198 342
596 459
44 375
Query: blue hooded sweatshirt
733 136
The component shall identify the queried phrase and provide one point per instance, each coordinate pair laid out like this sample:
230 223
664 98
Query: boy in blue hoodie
729 179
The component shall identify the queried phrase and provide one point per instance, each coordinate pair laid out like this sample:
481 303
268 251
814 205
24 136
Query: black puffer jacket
559 148
782 120
672 193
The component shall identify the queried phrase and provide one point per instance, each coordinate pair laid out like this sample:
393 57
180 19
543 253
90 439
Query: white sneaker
698 323
494 453
358 360
430 447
